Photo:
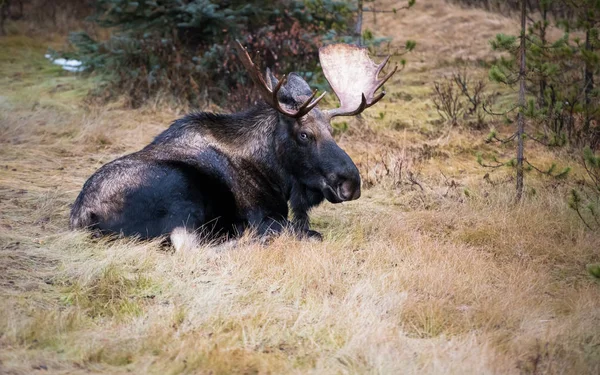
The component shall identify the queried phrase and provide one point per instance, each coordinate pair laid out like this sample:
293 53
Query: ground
435 269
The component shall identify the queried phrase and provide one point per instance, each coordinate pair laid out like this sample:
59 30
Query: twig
414 181
536 168
490 112
582 219
492 166
506 140
536 139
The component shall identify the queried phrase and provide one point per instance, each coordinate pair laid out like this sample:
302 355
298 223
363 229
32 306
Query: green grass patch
114 292
30 80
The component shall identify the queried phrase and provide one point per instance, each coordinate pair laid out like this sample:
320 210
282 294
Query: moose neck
248 134
254 134
258 135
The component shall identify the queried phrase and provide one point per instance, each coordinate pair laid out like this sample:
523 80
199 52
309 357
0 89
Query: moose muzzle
343 180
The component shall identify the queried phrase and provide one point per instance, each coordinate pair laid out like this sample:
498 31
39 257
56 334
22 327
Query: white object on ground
70 65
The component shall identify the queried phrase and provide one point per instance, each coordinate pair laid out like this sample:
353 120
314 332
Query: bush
184 49
459 96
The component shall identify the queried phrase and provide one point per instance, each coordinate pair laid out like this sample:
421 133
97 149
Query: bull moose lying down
222 174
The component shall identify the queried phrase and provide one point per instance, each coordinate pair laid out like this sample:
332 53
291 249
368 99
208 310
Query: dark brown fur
222 174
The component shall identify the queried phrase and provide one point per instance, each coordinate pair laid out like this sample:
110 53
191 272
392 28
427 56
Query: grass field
434 269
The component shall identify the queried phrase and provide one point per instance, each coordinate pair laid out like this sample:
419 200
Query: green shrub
184 49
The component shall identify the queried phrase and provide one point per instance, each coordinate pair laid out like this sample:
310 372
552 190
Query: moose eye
304 136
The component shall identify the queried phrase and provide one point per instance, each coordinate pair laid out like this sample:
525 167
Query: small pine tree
533 64
509 72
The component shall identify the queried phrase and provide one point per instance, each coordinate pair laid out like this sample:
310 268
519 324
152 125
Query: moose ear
271 80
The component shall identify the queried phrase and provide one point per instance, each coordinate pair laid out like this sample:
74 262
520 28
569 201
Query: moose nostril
348 190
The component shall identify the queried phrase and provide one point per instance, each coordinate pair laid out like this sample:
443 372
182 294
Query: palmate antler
268 93
353 77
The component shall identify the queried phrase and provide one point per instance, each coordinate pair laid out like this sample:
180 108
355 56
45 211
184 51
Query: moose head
311 152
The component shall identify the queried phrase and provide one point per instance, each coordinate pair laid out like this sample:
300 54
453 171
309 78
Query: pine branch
490 112
495 138
595 179
533 166
547 46
582 219
498 165
549 171
537 140
492 166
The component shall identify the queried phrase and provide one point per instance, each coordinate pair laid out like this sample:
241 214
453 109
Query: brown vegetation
433 270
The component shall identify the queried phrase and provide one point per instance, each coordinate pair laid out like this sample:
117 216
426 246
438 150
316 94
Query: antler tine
382 65
306 107
270 95
275 91
309 104
255 74
387 76
377 98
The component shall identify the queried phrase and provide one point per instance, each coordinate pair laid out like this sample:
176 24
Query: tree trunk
3 15
589 74
521 115
543 84
588 84
359 21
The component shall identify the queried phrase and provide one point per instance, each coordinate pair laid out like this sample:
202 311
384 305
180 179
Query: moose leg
301 201
301 226
267 225
270 226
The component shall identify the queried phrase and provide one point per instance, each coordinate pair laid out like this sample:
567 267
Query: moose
222 174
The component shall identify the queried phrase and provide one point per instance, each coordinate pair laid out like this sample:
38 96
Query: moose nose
349 190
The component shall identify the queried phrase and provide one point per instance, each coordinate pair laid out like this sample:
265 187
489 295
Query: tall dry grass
434 270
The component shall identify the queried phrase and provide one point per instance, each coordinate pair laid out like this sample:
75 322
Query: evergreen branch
498 165
537 139
492 166
592 175
493 137
582 219
534 167
530 19
575 203
549 171
490 112
547 46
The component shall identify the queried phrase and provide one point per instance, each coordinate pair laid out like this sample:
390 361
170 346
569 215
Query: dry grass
433 270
